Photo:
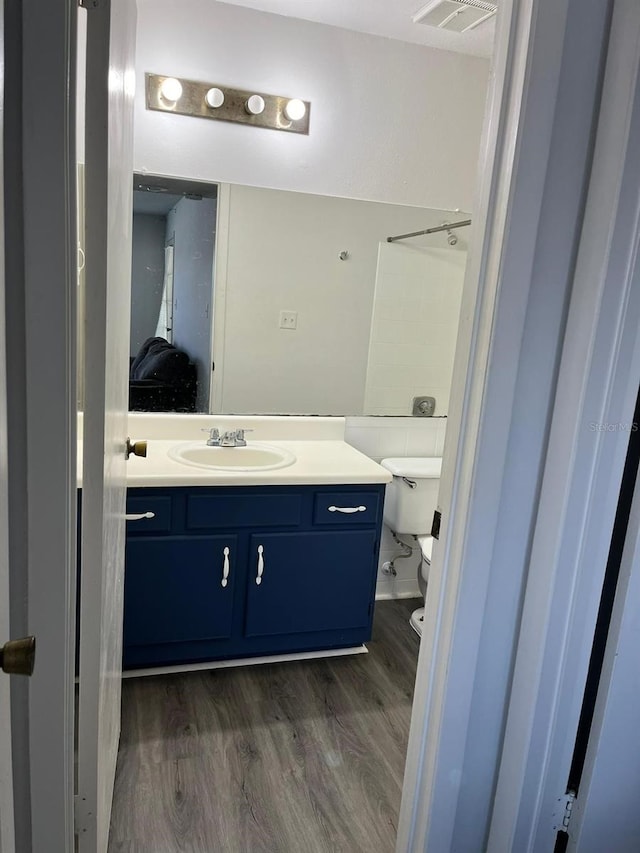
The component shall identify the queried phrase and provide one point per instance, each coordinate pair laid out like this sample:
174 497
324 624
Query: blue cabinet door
179 589
310 581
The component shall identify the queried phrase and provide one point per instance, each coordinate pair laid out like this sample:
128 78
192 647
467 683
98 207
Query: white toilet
409 504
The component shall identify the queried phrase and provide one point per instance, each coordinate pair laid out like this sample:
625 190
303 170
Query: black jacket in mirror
162 379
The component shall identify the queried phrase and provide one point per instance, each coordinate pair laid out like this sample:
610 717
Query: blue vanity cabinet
309 582
179 589
300 571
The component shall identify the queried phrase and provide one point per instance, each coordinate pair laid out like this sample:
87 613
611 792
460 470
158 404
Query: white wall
191 227
282 253
390 121
415 325
147 276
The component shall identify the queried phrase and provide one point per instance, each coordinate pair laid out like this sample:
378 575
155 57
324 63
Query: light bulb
171 89
214 98
295 109
255 105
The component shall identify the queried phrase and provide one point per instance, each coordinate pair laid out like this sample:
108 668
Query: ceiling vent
456 15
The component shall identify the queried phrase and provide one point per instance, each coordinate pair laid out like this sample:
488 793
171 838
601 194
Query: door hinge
435 524
562 812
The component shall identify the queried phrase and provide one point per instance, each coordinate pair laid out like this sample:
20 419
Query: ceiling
154 204
391 18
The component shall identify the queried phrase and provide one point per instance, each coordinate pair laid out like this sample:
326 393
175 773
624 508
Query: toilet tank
412 495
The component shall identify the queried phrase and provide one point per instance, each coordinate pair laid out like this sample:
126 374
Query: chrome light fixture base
193 102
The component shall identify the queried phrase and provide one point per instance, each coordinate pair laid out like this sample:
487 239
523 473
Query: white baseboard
397 588
225 664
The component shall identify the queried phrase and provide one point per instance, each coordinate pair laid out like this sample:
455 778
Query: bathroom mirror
252 300
172 287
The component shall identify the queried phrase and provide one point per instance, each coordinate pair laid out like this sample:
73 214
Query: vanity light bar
211 100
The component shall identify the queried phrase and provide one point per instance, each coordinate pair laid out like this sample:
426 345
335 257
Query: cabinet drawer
159 506
345 508
233 511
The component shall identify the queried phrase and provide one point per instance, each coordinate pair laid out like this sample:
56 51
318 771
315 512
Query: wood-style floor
304 757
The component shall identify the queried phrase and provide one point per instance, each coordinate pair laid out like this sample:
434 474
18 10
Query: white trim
221 262
495 168
111 28
235 662
605 816
388 589
50 258
598 383
529 209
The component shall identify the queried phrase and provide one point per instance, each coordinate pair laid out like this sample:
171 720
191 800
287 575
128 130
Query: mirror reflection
172 269
248 300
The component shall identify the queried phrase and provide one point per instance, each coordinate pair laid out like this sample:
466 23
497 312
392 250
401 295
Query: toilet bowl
410 500
425 543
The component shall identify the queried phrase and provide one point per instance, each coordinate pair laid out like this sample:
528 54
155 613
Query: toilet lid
426 546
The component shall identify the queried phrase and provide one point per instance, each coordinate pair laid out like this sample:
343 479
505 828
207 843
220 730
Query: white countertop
318 462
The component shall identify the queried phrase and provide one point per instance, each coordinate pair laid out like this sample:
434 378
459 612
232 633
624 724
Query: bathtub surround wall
414 327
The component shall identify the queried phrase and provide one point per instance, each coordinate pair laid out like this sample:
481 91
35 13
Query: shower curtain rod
446 227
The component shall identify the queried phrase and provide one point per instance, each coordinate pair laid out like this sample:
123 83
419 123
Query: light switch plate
288 319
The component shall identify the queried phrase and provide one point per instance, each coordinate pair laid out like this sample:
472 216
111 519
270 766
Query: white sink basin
254 457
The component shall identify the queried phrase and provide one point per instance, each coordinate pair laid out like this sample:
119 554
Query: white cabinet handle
225 567
260 565
138 516
347 509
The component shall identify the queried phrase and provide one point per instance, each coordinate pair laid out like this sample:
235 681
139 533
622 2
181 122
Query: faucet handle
214 433
240 439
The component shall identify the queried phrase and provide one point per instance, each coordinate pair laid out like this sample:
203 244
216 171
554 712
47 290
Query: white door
108 222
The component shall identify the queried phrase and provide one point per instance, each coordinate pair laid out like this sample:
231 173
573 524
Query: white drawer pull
347 509
225 568
138 516
260 565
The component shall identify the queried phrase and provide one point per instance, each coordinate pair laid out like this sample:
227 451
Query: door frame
544 93
597 388
49 506
41 263
610 780
7 829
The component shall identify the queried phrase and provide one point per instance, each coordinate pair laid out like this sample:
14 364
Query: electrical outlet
288 319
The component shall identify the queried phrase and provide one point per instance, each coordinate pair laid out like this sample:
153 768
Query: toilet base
416 620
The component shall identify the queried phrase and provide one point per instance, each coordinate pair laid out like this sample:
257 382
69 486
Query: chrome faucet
231 438
214 436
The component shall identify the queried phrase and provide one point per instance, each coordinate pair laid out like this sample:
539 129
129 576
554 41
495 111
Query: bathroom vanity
231 555
224 572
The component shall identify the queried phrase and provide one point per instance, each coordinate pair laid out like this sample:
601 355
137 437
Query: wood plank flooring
304 757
